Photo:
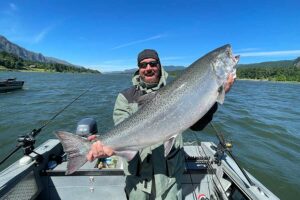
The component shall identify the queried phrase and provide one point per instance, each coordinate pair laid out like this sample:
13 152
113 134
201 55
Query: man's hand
98 150
229 83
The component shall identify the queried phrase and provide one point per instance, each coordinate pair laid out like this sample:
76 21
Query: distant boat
10 84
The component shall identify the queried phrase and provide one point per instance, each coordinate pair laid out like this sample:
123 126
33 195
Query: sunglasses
144 64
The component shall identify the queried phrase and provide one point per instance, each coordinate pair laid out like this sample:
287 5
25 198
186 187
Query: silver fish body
173 109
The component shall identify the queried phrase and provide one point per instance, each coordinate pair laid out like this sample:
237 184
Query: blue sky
108 35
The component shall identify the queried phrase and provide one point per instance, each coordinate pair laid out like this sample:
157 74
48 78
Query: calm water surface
261 118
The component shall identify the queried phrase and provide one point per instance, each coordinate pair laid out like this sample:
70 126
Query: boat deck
90 182
203 176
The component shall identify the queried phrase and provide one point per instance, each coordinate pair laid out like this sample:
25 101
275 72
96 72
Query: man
150 175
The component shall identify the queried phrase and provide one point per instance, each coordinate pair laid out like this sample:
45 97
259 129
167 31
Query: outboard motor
86 127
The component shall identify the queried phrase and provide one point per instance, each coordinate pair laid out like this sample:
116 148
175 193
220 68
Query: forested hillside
286 70
12 62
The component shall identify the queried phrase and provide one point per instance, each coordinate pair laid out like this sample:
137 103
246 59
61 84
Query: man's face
149 70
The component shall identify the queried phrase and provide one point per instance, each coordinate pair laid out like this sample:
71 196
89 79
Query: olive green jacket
149 171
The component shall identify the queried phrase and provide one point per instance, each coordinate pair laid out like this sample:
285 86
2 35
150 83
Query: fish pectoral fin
221 96
168 145
127 154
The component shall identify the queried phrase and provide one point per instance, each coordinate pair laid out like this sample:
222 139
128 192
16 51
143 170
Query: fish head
224 63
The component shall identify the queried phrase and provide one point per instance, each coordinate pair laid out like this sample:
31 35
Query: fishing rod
209 166
27 141
225 146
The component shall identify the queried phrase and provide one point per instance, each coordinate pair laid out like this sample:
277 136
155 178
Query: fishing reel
223 146
228 145
26 142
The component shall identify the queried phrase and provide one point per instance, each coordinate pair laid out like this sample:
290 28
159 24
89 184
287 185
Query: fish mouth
236 58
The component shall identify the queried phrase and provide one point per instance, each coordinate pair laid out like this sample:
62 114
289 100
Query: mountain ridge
10 47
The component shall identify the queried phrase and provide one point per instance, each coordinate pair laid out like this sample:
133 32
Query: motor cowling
86 127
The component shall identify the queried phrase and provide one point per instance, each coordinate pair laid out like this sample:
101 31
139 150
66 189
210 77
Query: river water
262 119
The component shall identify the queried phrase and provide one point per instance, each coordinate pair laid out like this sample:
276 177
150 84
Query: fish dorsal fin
169 144
142 100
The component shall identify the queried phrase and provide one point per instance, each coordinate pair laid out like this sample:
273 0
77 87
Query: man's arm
121 110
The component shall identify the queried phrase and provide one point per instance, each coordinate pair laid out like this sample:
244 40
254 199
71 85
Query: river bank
266 80
4 69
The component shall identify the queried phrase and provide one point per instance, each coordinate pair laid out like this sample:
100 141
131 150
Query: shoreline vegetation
281 74
263 73
266 80
11 62
279 71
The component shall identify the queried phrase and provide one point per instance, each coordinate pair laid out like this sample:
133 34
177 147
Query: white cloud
247 49
118 62
41 35
13 6
9 10
172 58
13 28
108 68
138 41
271 53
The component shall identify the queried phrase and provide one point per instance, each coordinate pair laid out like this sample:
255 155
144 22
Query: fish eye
228 53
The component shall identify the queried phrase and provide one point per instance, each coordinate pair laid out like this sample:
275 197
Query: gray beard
148 85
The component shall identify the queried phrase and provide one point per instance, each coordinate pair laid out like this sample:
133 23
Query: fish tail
76 149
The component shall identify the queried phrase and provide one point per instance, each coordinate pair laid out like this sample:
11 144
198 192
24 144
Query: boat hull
47 179
10 84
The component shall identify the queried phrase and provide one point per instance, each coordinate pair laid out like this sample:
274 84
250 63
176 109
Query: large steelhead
173 109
